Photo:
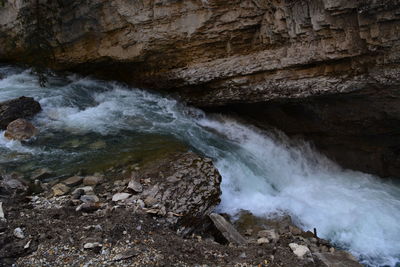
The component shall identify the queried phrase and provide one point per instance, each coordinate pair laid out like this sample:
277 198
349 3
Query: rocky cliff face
220 53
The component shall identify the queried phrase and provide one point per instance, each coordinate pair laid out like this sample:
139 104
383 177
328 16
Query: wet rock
135 186
299 250
20 129
18 233
42 173
120 196
98 145
89 198
12 184
227 230
73 181
92 180
23 107
337 259
60 189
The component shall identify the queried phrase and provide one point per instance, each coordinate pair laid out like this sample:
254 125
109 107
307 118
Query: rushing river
89 124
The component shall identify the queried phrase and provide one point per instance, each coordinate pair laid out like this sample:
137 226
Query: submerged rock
20 129
11 110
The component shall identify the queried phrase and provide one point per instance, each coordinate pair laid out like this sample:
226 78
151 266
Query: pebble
270 234
73 181
18 233
262 240
89 198
299 250
135 186
120 196
88 190
60 189
92 245
2 217
129 253
92 180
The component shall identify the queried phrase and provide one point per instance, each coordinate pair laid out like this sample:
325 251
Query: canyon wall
327 70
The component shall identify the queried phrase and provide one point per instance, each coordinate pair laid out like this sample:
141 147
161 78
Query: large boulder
186 186
22 107
20 129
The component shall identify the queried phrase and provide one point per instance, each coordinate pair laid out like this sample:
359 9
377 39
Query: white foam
261 173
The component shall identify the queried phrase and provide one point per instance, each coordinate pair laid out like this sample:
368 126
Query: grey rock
89 198
73 181
120 196
92 245
92 180
88 190
337 259
270 234
22 107
2 216
299 250
129 253
135 186
227 229
18 233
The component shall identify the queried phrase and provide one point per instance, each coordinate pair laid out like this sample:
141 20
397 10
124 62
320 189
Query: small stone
78 193
2 216
41 174
299 250
89 207
150 201
270 234
88 190
135 186
120 196
27 245
18 233
60 189
332 250
92 245
73 181
129 253
89 198
262 240
243 255
92 180
295 231
248 232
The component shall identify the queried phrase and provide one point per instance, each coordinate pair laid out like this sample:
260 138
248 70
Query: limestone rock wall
216 53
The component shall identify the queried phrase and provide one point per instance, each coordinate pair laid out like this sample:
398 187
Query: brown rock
60 189
20 129
73 181
92 180
227 230
23 107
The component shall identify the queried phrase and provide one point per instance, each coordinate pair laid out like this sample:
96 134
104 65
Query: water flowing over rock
20 129
217 54
23 107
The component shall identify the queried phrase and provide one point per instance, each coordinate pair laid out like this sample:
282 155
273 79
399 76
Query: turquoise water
92 125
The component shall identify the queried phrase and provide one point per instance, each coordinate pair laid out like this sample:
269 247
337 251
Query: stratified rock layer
218 53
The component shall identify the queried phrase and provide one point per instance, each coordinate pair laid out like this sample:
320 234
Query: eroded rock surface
252 51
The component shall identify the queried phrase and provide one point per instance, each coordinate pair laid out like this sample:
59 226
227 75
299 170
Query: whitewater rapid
262 172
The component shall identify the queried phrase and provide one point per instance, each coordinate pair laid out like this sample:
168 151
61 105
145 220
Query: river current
91 124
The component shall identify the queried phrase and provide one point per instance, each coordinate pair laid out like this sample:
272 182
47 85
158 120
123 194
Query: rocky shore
160 214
